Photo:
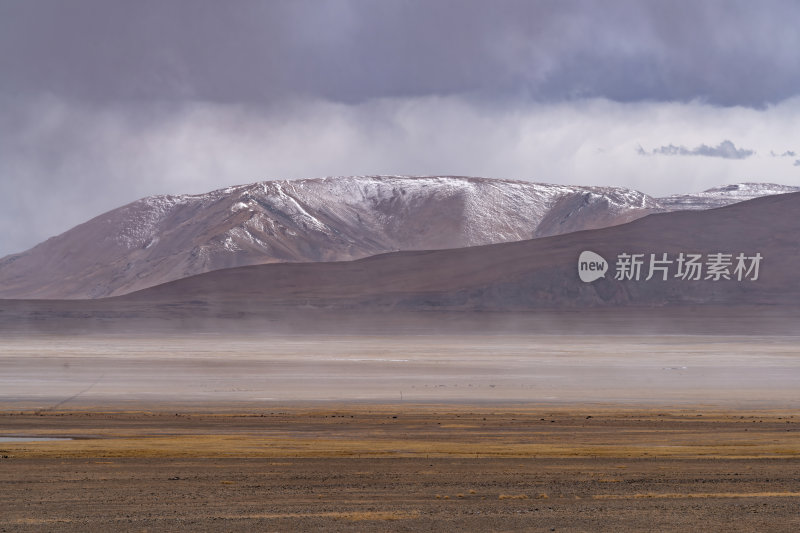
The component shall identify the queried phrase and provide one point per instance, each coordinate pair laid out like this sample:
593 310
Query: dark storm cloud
723 52
726 150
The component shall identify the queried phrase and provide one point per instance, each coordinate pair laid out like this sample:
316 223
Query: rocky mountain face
538 273
163 238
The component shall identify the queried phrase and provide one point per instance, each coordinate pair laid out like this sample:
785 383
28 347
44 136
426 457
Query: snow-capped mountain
462 290
164 238
721 196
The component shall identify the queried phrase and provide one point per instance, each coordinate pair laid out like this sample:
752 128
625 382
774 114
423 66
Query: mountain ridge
532 274
723 195
523 286
162 238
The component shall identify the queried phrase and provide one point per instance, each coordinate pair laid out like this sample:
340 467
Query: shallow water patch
17 438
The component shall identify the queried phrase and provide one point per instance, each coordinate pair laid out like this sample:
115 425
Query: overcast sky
103 101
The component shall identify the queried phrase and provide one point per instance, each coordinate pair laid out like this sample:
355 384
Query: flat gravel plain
429 433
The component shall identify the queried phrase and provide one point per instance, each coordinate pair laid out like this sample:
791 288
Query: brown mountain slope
539 273
536 278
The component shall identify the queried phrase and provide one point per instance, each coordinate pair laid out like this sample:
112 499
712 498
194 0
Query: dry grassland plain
400 433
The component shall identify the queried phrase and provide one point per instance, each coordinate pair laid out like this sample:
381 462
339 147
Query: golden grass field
395 430
396 467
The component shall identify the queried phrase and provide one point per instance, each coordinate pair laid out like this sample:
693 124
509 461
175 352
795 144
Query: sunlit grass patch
690 495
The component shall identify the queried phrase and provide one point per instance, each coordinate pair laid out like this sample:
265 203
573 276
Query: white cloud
62 164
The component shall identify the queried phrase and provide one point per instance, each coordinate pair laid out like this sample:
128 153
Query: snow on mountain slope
721 196
163 238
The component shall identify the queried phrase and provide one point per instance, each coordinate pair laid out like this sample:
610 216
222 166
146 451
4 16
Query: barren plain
400 433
